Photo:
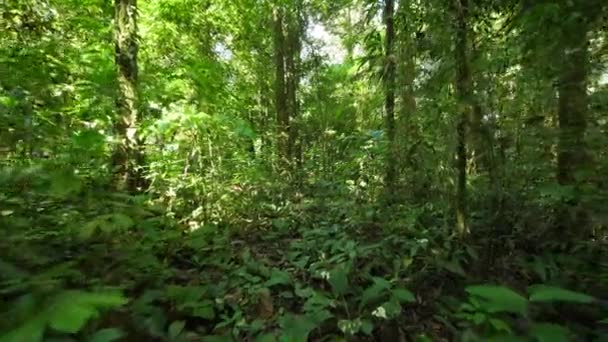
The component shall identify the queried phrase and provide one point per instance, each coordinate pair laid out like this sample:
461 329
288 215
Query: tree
573 157
128 155
288 26
389 93
280 84
464 95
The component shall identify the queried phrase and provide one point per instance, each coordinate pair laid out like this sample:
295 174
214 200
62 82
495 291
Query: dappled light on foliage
303 170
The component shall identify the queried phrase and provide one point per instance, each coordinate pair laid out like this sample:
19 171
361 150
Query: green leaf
338 278
547 332
71 318
31 331
204 311
454 267
295 328
404 296
544 293
107 335
70 310
392 308
500 326
499 299
317 301
367 327
319 316
278 277
118 222
375 291
266 338
185 294
175 329
423 338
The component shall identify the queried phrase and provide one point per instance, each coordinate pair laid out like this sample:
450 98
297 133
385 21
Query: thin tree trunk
389 88
291 67
281 101
572 157
407 135
463 94
407 68
292 64
128 157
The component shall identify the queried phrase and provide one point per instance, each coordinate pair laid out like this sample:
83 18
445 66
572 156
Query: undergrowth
82 264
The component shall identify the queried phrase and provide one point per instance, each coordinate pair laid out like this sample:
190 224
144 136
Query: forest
303 170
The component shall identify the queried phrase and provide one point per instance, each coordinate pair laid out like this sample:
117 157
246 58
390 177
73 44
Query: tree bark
389 104
463 95
281 100
573 157
292 65
127 158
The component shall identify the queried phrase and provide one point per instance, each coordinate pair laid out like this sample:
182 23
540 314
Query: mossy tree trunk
128 157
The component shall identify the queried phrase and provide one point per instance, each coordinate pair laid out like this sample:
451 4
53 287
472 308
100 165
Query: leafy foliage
259 137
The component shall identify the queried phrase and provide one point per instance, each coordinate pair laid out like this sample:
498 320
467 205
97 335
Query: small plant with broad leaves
498 312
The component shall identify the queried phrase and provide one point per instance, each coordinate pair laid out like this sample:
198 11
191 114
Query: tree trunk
407 69
407 134
292 65
572 157
463 95
389 88
127 158
281 101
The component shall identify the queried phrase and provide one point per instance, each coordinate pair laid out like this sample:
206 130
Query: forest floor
320 269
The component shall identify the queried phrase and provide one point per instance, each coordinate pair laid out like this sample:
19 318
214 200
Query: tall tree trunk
389 89
128 157
464 95
281 101
572 157
407 135
406 67
292 66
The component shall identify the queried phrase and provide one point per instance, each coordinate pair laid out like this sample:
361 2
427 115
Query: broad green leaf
70 318
367 327
390 309
278 277
70 310
338 278
31 331
375 291
547 332
204 311
107 335
544 293
454 267
499 299
500 326
295 328
185 294
317 301
423 338
404 296
118 222
175 329
266 338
